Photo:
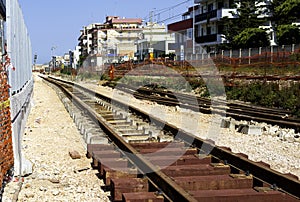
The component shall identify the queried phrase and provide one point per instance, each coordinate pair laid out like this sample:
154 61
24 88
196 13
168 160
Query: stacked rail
238 111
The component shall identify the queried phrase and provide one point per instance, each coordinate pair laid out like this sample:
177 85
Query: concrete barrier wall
20 108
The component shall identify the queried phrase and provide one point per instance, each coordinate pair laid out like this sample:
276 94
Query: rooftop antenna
115 8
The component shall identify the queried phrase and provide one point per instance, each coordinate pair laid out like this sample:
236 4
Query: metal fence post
272 53
230 55
240 56
259 50
293 48
249 62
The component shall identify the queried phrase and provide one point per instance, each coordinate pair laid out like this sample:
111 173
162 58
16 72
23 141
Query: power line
170 18
171 7
167 9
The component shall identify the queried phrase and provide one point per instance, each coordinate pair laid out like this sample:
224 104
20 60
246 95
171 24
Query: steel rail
161 180
258 114
285 182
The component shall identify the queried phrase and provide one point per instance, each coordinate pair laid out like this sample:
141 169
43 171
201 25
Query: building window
220 29
189 33
208 31
220 5
231 3
210 7
196 30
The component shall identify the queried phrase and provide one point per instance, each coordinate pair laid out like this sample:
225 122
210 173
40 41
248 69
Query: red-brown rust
97 155
169 151
163 182
263 164
292 176
182 160
244 195
195 170
109 173
112 163
160 145
213 182
127 185
242 155
142 197
97 147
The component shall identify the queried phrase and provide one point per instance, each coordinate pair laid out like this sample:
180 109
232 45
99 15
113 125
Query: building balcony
216 14
206 16
207 38
181 25
135 35
210 39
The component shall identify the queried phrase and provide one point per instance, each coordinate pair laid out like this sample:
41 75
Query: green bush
268 95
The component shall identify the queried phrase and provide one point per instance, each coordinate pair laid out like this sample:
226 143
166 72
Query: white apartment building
183 31
76 57
208 29
154 39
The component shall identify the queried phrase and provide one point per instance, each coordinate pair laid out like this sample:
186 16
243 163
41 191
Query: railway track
141 158
238 111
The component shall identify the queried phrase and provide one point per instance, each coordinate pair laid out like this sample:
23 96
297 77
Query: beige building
111 40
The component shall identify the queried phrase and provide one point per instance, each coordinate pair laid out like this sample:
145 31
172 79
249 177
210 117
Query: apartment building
208 26
114 38
155 41
183 31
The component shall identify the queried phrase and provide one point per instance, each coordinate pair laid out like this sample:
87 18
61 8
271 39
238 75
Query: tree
231 29
286 12
251 38
271 7
247 15
288 34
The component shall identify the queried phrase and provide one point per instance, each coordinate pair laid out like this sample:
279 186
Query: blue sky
58 22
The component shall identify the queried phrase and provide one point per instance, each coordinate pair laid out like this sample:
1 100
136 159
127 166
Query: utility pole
34 61
193 30
53 57
151 54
